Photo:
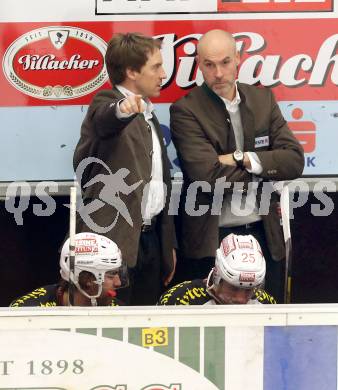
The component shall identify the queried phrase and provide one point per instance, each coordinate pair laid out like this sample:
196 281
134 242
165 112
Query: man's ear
131 73
237 58
197 59
91 285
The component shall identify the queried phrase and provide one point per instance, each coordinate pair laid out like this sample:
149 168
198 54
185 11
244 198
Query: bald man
228 131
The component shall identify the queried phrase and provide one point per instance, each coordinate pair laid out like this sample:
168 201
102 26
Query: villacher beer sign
56 63
62 65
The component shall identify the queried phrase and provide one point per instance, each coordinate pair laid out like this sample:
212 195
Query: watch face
238 155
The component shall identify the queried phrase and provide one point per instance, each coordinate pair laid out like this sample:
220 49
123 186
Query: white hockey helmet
240 262
95 254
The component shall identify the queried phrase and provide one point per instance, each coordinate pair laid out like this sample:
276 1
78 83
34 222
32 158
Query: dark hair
129 50
63 285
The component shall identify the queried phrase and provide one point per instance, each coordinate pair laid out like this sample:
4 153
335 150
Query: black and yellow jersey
46 297
194 292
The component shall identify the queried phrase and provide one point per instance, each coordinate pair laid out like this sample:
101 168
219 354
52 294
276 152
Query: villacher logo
56 63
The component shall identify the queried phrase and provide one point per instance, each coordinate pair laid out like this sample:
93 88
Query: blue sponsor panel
300 358
315 124
37 143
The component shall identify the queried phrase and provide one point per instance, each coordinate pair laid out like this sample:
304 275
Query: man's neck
231 95
129 87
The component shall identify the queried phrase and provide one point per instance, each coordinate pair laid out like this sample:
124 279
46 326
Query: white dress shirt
236 212
154 202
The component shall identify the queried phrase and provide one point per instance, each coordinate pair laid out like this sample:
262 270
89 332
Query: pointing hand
132 104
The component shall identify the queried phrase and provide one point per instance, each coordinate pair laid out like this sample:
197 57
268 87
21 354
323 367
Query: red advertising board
62 63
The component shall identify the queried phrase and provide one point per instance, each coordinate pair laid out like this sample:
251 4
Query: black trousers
145 279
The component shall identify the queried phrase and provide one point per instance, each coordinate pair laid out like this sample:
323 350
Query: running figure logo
113 185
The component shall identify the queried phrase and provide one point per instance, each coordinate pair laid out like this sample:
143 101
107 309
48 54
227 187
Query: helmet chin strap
91 297
210 287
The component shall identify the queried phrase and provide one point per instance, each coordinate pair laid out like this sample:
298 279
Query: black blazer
120 144
200 132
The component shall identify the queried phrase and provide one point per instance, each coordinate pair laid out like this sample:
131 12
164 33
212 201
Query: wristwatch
238 156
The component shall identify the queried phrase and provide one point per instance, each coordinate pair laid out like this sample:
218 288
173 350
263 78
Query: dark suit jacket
120 144
200 132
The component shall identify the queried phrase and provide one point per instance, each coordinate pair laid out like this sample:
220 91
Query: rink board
280 347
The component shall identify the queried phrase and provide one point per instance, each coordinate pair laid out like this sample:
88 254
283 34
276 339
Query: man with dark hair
98 272
122 131
235 132
128 51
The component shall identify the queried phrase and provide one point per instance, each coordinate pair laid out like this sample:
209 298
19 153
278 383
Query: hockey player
236 278
98 272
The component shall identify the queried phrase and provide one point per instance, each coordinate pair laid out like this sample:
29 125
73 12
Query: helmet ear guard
96 255
216 273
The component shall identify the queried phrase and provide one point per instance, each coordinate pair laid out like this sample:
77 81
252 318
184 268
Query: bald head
218 60
215 40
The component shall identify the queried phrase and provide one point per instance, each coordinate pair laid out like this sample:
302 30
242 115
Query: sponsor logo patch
261 142
228 245
247 277
86 246
56 63
245 244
